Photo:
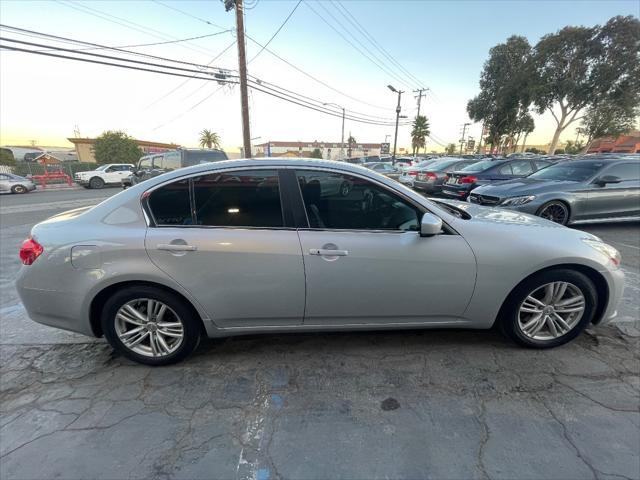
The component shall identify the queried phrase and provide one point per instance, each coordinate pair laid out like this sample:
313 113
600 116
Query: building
84 148
629 143
329 150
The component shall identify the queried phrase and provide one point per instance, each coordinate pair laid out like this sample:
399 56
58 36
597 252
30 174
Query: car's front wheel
549 309
150 325
555 211
96 182
19 189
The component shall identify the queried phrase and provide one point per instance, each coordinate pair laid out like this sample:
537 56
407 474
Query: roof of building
315 144
141 143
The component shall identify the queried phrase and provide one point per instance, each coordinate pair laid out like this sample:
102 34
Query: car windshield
567 172
479 167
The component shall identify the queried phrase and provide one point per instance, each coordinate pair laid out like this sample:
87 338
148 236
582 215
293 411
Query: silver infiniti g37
272 245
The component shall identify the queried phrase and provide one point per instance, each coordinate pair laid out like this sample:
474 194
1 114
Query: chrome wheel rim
556 212
149 327
551 311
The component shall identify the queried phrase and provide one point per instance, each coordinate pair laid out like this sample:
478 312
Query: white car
109 174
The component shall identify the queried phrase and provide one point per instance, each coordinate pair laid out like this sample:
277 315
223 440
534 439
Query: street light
395 138
341 138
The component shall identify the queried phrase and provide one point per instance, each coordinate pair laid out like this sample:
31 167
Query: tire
556 211
115 328
19 189
96 182
514 322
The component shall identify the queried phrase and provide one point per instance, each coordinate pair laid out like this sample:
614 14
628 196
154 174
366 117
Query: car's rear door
366 263
616 199
224 238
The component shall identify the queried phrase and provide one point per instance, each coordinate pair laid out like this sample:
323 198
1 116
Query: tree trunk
524 142
555 139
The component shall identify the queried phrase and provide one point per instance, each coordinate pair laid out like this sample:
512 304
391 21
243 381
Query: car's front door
223 238
365 262
115 173
621 199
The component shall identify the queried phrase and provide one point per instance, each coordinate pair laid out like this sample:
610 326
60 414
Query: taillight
413 173
30 251
431 175
469 179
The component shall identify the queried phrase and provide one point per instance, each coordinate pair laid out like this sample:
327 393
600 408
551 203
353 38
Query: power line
367 56
277 31
189 15
375 43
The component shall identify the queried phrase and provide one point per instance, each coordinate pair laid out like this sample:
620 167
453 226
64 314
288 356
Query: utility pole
464 132
342 137
242 68
421 94
395 138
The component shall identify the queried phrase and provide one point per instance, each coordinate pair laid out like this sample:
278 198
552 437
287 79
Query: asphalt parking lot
410 404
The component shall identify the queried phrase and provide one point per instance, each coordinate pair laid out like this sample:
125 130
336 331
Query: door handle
328 253
175 247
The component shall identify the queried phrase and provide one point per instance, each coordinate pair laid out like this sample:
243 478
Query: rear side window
540 164
171 160
505 170
170 204
625 171
522 168
249 198
158 162
145 163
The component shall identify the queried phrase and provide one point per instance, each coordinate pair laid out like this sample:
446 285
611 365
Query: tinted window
335 200
249 198
170 204
542 164
195 157
505 169
171 160
480 166
567 171
626 171
522 168
145 163
158 161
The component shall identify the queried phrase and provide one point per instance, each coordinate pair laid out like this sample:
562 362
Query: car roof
596 162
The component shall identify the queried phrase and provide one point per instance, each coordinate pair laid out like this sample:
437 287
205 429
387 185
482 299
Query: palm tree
209 139
419 133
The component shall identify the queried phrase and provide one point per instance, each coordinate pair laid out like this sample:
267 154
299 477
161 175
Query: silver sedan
268 245
10 183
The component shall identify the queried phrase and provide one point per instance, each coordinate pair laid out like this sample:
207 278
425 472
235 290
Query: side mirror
602 181
430 225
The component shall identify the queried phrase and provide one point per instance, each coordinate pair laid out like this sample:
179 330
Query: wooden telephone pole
242 68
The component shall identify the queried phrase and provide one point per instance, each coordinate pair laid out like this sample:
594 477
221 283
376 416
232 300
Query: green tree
609 120
419 133
450 149
6 158
116 147
209 139
579 68
572 147
505 85
317 153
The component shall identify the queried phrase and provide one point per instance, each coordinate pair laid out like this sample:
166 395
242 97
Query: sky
443 44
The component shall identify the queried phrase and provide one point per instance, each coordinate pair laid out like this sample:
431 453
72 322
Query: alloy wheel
149 327
551 311
556 212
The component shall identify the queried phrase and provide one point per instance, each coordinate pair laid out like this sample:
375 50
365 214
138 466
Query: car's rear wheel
549 309
96 182
19 189
555 211
150 325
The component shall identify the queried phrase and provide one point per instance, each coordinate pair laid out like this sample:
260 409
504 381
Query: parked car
430 178
156 164
409 173
10 183
570 192
109 174
384 168
460 183
159 265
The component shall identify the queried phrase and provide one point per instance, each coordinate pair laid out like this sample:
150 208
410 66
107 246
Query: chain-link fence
27 169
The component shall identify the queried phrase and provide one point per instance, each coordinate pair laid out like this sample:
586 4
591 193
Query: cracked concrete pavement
410 404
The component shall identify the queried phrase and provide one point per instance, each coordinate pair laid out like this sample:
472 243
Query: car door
222 237
365 262
114 173
615 199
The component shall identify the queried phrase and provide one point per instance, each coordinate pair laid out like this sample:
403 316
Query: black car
430 179
459 184
156 164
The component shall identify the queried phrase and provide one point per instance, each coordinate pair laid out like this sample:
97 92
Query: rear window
195 157
480 166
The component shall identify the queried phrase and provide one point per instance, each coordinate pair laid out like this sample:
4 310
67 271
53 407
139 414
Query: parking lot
410 404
